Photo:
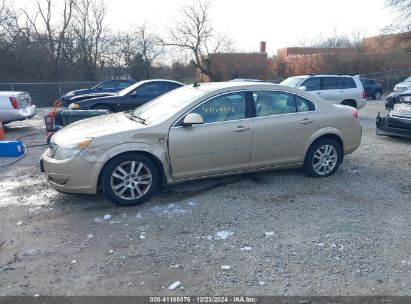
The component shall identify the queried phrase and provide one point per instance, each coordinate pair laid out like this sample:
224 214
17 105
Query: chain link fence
389 78
44 94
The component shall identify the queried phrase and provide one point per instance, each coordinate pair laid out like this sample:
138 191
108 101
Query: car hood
96 127
404 84
91 95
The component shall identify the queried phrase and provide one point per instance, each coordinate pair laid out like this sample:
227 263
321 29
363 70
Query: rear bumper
18 114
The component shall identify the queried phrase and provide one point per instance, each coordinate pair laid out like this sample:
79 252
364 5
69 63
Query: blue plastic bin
11 148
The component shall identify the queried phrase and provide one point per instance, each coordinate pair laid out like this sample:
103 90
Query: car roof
239 85
160 80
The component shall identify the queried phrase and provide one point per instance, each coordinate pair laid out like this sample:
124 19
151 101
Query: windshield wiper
134 117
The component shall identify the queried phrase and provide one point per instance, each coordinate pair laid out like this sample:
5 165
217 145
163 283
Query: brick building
238 65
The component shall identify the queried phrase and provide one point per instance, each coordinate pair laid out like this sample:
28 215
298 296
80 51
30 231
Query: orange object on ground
2 134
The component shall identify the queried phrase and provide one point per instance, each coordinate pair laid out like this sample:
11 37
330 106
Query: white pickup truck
16 106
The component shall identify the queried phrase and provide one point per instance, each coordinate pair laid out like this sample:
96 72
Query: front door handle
241 129
306 121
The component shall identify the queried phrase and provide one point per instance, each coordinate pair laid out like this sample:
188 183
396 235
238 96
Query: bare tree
52 37
91 41
194 33
403 25
9 28
140 51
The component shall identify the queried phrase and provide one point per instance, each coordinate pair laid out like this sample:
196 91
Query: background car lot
281 232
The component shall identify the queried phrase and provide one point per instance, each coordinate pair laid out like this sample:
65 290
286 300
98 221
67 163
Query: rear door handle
306 121
241 129
341 91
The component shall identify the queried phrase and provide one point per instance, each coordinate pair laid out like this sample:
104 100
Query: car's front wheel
323 158
130 179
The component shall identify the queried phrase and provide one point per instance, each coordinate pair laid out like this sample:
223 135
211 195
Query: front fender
158 151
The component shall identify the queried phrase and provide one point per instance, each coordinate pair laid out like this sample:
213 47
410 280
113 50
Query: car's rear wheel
103 107
377 95
130 179
323 158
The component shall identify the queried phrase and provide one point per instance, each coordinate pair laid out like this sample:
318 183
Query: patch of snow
174 285
222 235
246 248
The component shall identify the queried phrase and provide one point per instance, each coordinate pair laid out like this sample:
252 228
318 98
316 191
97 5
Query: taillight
363 94
14 102
355 113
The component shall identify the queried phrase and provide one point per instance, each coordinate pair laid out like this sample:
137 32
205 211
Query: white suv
341 89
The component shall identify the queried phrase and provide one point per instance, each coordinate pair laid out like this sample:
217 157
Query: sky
279 23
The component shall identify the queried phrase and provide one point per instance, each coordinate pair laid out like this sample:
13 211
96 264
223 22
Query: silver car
199 131
16 106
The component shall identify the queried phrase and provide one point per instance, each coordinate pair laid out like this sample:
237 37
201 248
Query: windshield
165 106
292 81
97 85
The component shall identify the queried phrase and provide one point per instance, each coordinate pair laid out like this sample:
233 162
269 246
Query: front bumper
18 114
74 175
393 126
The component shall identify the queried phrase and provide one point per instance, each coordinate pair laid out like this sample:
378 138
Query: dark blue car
101 89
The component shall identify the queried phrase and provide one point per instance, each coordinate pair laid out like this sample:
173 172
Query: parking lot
270 233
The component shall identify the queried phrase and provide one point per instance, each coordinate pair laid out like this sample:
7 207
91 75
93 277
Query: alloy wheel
325 159
131 180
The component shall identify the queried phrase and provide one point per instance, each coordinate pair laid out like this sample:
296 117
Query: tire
350 103
103 107
377 95
130 179
314 163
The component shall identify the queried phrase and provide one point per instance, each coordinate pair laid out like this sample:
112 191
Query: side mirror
304 88
134 94
193 119
100 87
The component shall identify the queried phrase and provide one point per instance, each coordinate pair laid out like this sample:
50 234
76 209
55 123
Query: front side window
123 84
223 108
312 84
273 103
331 83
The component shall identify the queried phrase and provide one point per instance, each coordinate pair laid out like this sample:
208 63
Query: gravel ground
275 233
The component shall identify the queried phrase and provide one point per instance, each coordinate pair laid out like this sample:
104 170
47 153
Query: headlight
71 148
74 106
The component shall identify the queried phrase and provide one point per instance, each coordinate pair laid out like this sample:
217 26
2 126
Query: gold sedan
198 131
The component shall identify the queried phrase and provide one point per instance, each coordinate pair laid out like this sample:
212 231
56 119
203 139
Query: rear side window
304 105
273 103
312 84
332 83
349 83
